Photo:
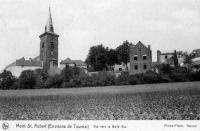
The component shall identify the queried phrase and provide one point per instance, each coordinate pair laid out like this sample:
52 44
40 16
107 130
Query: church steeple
49 24
49 45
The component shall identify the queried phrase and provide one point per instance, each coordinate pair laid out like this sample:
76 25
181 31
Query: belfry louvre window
52 46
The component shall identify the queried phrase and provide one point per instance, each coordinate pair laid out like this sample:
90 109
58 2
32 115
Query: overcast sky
164 24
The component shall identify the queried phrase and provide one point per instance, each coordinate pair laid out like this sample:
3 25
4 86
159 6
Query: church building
48 57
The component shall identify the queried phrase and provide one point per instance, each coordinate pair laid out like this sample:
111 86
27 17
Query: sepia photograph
99 60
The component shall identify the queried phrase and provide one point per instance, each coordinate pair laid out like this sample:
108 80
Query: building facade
196 53
17 67
121 67
167 57
71 63
140 58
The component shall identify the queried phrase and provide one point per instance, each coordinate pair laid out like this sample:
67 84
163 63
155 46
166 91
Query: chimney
149 46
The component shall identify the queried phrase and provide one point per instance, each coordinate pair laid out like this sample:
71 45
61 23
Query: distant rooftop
23 62
69 61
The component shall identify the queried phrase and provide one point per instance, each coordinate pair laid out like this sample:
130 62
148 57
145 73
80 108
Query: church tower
49 45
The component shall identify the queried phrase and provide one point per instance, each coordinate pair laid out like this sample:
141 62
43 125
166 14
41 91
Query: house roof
69 61
30 62
196 60
196 50
23 62
139 44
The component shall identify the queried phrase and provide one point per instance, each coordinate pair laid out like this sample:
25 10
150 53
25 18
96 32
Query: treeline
75 77
103 58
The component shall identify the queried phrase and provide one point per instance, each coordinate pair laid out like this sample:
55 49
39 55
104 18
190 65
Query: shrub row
75 77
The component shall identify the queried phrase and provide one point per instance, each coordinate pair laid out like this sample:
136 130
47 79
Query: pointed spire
49 24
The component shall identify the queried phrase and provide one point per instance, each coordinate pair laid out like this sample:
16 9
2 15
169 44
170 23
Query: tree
41 78
175 59
123 53
188 61
27 79
111 57
6 80
97 57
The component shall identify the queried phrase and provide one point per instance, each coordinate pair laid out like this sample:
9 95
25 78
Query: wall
139 50
16 70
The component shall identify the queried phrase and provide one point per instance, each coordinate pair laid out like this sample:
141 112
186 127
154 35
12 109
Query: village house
196 53
121 67
21 64
167 57
71 63
140 58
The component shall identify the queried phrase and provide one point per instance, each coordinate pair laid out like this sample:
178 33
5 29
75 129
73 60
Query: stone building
166 57
196 53
140 58
72 63
21 64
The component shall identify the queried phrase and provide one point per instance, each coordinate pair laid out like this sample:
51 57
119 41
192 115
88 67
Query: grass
172 101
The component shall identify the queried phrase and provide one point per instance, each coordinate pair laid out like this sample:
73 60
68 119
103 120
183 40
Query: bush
41 78
6 80
133 80
151 77
179 74
194 76
27 79
54 82
123 79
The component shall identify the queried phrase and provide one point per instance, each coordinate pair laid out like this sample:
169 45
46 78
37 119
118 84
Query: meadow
167 101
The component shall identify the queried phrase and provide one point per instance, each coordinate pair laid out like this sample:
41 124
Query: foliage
111 57
54 82
41 78
6 80
97 57
164 68
123 79
175 59
27 79
123 52
152 77
179 74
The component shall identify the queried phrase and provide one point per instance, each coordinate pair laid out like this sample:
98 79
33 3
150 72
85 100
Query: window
144 57
43 45
135 57
166 57
51 28
145 66
136 67
52 46
51 52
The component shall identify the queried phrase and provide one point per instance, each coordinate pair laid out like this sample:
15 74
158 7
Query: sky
166 25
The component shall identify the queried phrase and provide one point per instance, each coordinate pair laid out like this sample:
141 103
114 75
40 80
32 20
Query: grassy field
170 101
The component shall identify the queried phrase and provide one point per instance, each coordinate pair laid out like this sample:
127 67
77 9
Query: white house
21 64
72 63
